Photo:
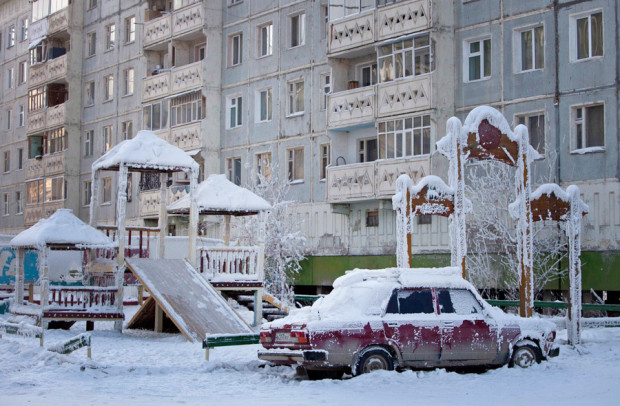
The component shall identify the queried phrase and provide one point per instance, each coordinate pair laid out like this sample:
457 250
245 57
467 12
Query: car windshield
349 302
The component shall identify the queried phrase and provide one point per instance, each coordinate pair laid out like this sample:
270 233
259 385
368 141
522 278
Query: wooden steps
270 311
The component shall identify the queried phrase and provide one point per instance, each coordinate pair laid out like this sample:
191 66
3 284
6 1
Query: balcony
47 72
359 30
58 21
178 23
149 199
351 107
37 211
372 180
48 165
186 137
51 117
187 19
186 77
157 86
157 30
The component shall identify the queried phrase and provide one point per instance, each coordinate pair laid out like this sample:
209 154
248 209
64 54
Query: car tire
374 359
525 355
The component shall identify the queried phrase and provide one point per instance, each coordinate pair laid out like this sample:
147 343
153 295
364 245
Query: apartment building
339 96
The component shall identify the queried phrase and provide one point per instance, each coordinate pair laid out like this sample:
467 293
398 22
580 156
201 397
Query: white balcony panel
351 182
402 18
352 32
35 212
186 77
59 21
389 170
37 74
55 116
187 19
404 96
157 30
351 107
57 68
36 121
186 137
54 164
149 199
34 168
156 86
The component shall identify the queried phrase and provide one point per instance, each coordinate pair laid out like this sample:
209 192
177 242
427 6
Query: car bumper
554 352
289 357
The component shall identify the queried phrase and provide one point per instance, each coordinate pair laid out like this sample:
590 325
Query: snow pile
219 194
146 150
62 227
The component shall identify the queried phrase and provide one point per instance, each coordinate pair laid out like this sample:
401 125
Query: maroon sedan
403 318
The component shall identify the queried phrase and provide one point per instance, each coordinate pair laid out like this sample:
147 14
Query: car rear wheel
525 355
374 359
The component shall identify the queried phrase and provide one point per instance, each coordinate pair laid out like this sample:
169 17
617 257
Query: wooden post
159 318
227 229
258 307
573 229
408 229
526 299
121 204
140 294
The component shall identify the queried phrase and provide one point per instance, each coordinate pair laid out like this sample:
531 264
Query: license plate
284 337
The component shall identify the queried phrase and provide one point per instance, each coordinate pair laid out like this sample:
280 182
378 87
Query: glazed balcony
38 211
351 107
372 180
175 24
149 199
48 118
47 165
404 96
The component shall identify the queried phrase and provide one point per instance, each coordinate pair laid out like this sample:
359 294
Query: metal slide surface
194 306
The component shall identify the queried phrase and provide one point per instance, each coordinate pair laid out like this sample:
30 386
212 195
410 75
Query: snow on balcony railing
231 264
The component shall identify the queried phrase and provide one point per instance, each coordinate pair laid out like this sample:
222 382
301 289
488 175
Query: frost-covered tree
284 240
492 259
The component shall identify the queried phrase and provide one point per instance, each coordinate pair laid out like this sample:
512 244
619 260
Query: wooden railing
229 264
82 297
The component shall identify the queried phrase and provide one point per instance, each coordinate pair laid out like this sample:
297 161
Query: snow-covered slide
192 304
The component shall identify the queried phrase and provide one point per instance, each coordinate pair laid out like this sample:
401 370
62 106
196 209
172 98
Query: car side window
411 301
458 301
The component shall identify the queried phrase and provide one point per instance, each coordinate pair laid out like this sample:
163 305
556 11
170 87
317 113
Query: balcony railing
179 22
34 169
82 298
48 165
351 107
231 264
186 77
187 19
150 199
37 74
57 68
379 24
48 118
37 211
372 180
59 21
186 137
157 30
157 86
36 121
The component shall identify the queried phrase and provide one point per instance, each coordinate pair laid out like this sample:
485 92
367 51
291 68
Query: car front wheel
524 356
374 359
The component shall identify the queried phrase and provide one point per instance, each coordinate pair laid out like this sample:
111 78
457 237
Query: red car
403 318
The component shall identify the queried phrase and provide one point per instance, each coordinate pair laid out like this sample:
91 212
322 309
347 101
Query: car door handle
448 323
393 324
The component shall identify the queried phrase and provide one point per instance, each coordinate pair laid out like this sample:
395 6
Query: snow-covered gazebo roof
146 152
62 230
218 195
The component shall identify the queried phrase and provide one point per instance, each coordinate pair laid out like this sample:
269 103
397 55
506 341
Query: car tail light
300 335
265 337
553 335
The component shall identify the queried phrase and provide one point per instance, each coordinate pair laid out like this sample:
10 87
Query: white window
107 190
89 140
127 130
295 93
56 140
235 49
108 87
588 126
235 111
130 29
10 41
200 51
477 60
21 116
21 73
367 150
530 52
86 192
368 75
9 115
54 189
24 30
91 43
405 137
10 74
5 204
90 93
409 57
34 191
295 164
326 159
297 30
263 165
265 40
128 75
586 36
155 116
187 108
107 138
264 105
110 36
535 123
19 205
234 170
342 8
326 89
7 161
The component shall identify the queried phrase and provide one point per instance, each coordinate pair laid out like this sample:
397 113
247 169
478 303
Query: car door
468 336
411 323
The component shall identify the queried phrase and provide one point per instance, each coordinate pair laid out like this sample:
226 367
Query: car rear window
458 301
411 301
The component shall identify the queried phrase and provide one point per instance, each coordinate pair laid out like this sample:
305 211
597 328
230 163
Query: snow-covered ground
146 368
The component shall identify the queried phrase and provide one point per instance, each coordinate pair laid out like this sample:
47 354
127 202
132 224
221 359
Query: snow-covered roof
61 228
146 151
552 189
218 194
446 277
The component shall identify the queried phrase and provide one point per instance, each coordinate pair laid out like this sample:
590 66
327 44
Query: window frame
110 37
237 107
108 88
292 167
518 48
11 36
106 183
292 101
22 72
108 137
362 149
127 129
584 124
325 157
268 110
6 162
235 49
231 169
89 143
298 34
573 35
86 192
128 81
268 26
325 79
25 22
130 30
406 132
263 162
389 54
467 54
19 202
525 116
91 44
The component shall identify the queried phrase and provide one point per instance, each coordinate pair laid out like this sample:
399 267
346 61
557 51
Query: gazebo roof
146 152
63 230
218 195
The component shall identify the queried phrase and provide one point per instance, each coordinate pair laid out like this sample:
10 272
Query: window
368 75
265 102
56 140
265 40
535 123
19 205
372 218
24 30
298 30
127 130
235 2
86 192
405 137
367 150
91 43
531 48
7 161
235 49
477 60
34 191
324 21
295 97
186 109
295 163
155 116
107 190
20 158
37 53
89 140
21 116
326 89
129 188
410 57
9 115
5 204
21 73
235 114
234 170
149 181
107 138
128 75
110 36
588 126
342 8
326 159
411 301
586 36
108 87
263 165
130 29
54 189
423 219
10 40
10 73
37 98
200 51
92 4
458 301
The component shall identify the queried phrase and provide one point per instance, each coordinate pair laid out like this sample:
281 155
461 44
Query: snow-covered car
403 318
